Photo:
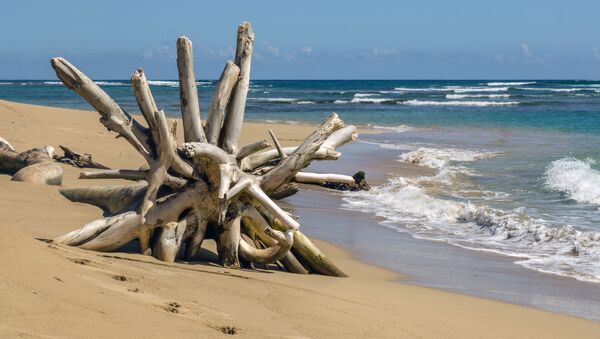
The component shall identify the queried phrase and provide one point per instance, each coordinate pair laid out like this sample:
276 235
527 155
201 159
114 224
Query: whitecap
416 102
511 83
163 83
489 96
398 129
575 178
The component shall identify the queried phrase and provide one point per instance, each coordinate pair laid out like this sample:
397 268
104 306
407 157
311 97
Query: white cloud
526 51
271 49
307 50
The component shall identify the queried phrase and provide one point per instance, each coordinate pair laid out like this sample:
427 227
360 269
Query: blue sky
308 39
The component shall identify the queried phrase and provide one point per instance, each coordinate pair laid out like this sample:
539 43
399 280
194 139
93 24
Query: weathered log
44 173
284 191
220 99
113 117
76 159
235 113
34 165
318 178
305 250
252 148
111 199
188 93
145 100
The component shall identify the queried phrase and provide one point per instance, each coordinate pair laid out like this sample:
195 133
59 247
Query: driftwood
73 158
34 165
205 187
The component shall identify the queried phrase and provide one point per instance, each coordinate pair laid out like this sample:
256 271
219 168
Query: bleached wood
252 148
306 177
145 100
220 99
288 167
257 193
76 159
188 92
280 152
43 173
235 113
112 115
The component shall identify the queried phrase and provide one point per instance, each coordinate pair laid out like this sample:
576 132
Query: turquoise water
515 162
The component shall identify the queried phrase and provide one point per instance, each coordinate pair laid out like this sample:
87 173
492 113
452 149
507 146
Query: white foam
555 89
341 102
478 89
398 129
365 95
6 83
406 207
280 100
439 157
163 83
576 178
109 83
415 102
489 96
422 89
52 83
305 102
371 100
511 83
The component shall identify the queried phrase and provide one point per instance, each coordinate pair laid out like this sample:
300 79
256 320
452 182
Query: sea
513 165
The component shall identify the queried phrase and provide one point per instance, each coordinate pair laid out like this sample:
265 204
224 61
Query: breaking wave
415 102
412 205
576 179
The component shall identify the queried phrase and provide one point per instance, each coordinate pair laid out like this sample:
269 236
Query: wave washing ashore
514 161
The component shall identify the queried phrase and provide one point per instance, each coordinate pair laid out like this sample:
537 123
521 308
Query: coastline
370 302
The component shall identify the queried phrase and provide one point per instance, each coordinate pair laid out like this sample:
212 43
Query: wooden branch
113 117
235 113
251 148
188 93
278 243
287 168
78 160
257 193
318 178
111 199
220 99
305 250
145 100
195 241
135 175
259 159
282 154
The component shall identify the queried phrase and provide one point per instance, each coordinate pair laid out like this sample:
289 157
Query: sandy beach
49 290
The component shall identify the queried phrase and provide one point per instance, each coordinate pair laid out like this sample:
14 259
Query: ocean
514 163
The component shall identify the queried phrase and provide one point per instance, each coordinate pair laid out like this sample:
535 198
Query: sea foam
416 102
576 179
406 205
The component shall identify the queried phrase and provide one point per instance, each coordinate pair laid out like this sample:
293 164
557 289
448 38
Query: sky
327 39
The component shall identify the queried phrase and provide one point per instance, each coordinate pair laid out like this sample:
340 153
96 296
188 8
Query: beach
52 290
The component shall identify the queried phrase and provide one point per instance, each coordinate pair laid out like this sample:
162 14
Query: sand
49 290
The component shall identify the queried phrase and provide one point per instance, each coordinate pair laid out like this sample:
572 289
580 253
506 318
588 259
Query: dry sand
48 290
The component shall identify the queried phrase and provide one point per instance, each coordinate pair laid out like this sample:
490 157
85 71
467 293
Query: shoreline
370 302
